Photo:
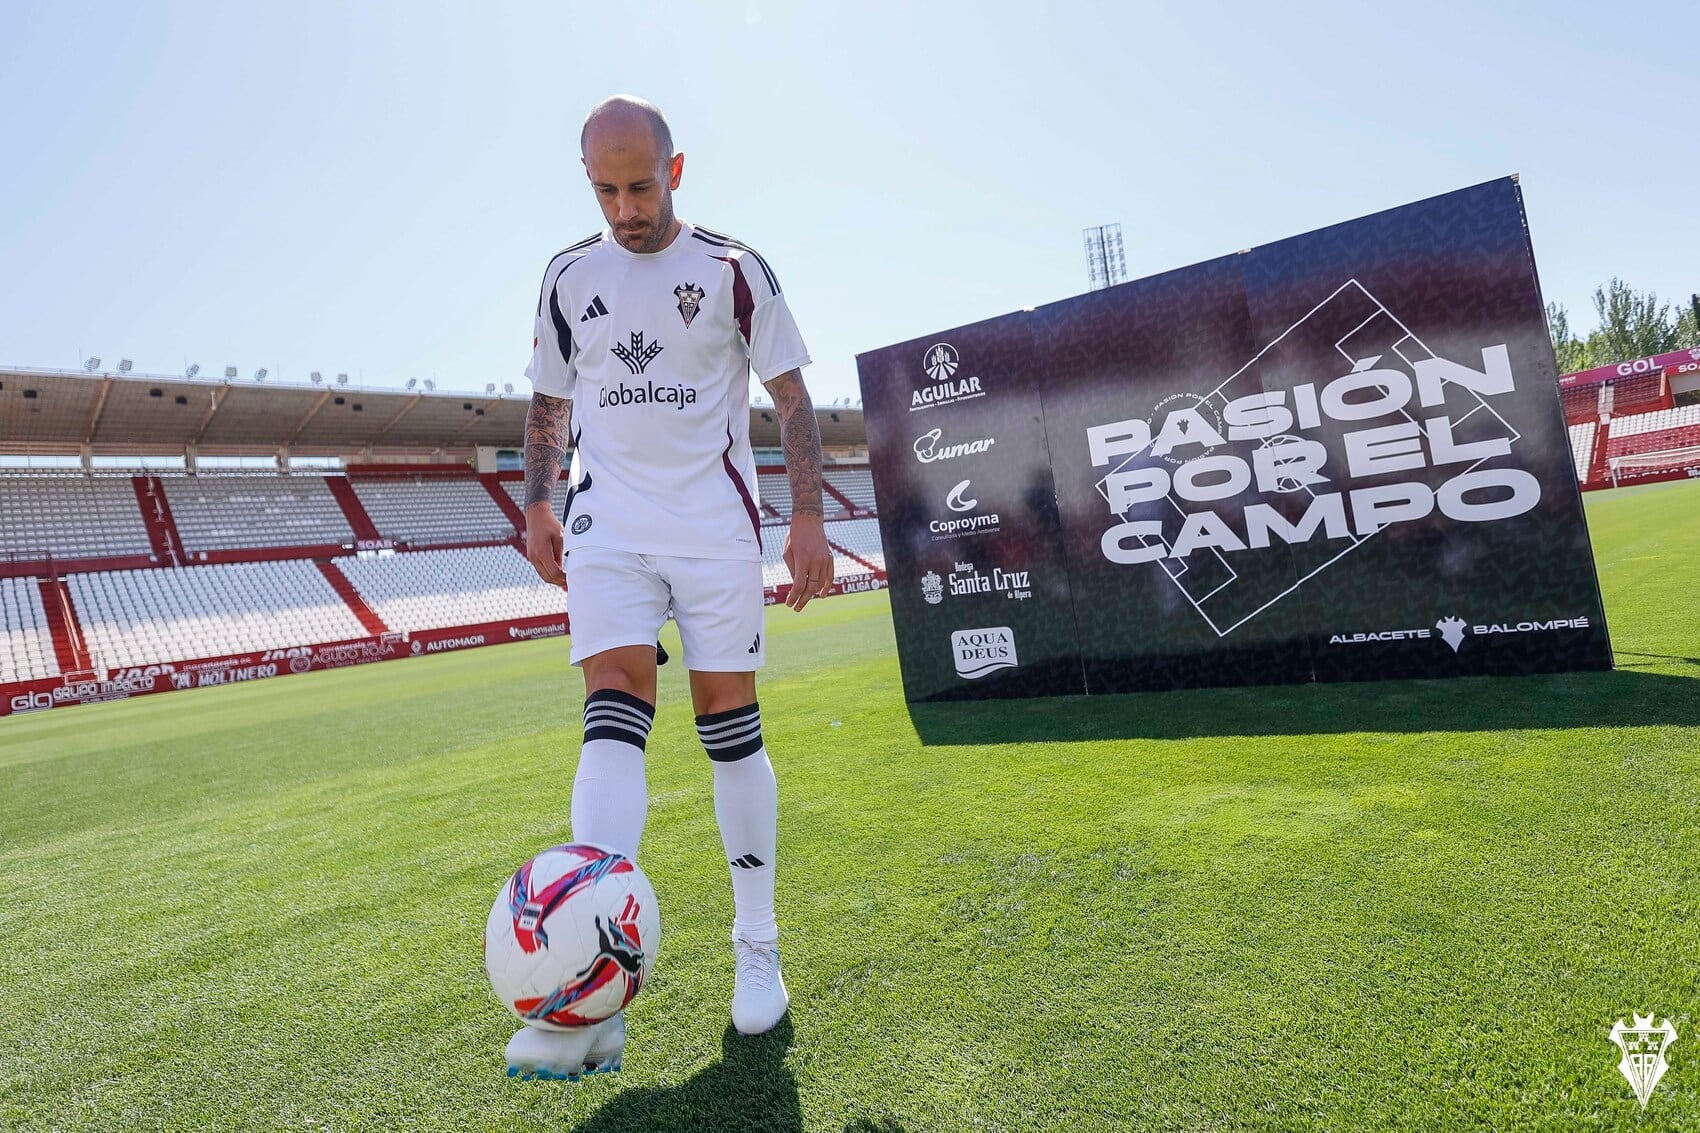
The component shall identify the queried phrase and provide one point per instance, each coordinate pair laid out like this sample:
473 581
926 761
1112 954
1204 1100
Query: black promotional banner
1337 457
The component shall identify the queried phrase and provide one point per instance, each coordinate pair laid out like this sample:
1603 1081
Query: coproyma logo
979 652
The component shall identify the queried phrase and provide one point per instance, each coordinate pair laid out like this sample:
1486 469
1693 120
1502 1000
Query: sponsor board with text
1328 458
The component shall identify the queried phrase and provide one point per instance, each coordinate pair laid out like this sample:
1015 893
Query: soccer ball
572 936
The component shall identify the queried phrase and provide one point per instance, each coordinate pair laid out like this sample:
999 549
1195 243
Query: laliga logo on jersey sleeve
941 363
978 652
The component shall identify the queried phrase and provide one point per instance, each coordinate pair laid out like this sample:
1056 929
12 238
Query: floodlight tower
1105 264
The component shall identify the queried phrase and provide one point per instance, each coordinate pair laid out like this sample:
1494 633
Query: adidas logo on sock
595 310
748 861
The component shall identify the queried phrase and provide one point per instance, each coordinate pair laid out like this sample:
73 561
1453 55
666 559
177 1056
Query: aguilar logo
928 449
637 357
689 296
979 652
647 394
1306 470
941 363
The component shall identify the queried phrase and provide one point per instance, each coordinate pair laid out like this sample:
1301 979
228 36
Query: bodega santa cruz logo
964 579
647 394
941 363
1211 483
928 449
637 356
980 652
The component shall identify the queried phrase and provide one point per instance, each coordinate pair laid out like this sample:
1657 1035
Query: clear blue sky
376 187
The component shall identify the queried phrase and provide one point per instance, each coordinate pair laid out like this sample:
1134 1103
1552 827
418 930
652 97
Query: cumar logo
928 449
980 652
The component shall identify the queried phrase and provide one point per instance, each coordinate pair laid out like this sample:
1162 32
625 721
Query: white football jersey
655 352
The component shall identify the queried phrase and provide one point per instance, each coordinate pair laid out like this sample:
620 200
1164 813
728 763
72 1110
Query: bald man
646 334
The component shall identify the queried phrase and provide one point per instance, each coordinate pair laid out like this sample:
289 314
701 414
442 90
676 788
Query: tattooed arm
807 554
548 430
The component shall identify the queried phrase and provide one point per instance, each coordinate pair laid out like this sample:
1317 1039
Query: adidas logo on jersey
595 311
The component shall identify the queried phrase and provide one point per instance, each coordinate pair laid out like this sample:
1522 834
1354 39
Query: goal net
1633 465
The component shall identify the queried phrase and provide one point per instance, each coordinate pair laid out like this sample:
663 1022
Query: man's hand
809 559
543 543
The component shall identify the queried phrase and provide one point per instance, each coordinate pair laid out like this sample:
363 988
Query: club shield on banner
1337 457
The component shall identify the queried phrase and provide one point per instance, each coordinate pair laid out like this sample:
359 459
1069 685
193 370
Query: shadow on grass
748 1091
1620 699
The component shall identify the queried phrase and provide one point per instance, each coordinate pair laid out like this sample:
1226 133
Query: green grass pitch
1412 906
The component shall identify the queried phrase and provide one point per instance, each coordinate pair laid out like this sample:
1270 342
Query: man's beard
657 232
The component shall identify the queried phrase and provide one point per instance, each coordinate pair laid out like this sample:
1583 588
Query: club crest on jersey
637 356
690 300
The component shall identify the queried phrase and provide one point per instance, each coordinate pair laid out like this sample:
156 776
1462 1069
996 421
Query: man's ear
675 170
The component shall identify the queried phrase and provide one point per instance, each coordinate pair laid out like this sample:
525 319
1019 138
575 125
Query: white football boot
567 1056
758 998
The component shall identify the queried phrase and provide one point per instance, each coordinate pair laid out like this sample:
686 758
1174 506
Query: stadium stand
464 586
71 517
145 617
422 512
1639 394
123 576
856 485
774 491
26 643
516 489
1582 448
861 537
224 512
1663 429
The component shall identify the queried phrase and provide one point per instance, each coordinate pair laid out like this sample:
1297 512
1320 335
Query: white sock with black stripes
610 793
746 805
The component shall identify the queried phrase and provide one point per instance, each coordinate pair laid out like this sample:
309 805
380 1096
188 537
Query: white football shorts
617 598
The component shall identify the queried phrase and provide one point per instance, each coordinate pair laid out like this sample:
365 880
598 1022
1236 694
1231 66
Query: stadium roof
49 412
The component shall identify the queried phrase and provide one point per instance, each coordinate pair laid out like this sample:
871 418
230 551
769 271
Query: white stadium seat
143 617
426 511
857 485
71 517
224 512
26 643
434 589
